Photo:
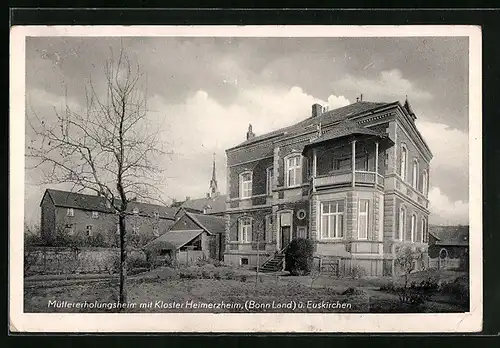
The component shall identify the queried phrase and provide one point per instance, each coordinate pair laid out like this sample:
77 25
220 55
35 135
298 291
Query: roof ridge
268 135
197 221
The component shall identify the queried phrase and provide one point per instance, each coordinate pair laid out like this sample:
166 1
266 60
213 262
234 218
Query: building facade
88 218
354 180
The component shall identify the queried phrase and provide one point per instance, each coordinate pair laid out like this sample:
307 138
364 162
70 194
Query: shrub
357 272
136 260
353 292
299 257
459 289
411 296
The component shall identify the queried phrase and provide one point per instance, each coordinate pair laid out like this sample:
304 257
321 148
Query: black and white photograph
241 176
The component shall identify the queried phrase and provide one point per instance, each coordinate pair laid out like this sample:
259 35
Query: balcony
345 178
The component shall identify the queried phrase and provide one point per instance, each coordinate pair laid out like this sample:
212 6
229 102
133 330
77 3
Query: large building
89 217
354 180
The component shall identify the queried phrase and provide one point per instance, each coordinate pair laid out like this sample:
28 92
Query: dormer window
246 185
95 214
156 215
135 211
293 170
70 212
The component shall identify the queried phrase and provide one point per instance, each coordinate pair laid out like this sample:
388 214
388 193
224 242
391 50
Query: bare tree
110 147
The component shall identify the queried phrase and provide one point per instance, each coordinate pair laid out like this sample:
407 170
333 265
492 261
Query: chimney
317 110
208 194
188 198
250 134
357 99
361 97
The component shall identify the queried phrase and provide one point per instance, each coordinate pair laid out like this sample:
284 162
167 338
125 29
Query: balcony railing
362 178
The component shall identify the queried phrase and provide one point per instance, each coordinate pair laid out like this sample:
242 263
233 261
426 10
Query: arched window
293 170
414 178
413 227
403 161
246 185
400 231
425 181
423 231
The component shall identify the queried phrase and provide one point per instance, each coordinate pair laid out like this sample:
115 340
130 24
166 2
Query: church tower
213 191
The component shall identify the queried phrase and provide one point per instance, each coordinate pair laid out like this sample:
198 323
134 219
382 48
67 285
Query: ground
273 292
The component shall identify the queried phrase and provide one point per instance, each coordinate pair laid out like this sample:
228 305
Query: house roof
82 201
217 204
332 116
174 239
450 235
211 224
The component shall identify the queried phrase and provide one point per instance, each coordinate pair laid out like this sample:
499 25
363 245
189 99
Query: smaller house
191 237
449 247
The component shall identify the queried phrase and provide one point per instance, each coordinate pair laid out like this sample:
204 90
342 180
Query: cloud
450 146
389 83
446 212
217 126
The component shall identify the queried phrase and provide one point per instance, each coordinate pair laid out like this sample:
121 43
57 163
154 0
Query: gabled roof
211 224
216 204
450 235
174 240
336 115
82 201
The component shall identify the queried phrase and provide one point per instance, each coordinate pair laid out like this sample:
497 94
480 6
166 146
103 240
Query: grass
147 289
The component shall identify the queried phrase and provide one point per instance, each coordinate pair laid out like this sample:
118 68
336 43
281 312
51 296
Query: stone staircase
274 263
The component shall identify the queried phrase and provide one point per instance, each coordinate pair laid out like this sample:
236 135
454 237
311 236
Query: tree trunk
123 260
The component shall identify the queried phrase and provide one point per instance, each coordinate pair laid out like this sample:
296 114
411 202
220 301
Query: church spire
213 182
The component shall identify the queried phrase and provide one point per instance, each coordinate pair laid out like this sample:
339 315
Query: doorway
285 236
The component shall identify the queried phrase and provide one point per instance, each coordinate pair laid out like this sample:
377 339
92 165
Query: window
69 229
423 229
245 230
135 229
362 163
70 212
156 232
135 211
404 160
413 228
156 215
244 261
246 185
301 214
342 164
401 226
118 228
302 232
89 230
332 219
269 228
414 178
293 171
363 219
424 182
95 214
269 181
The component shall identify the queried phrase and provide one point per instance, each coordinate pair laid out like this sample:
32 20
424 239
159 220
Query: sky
207 90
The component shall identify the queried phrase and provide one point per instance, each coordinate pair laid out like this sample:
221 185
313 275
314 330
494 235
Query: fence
446 263
49 260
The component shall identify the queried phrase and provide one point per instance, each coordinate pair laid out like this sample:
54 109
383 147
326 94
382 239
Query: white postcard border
184 322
